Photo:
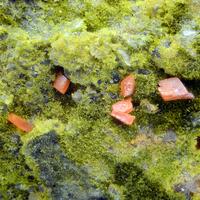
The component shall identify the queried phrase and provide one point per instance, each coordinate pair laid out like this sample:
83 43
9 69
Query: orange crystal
172 89
61 83
124 106
128 86
19 122
125 118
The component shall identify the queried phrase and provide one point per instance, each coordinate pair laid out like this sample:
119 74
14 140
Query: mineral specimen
61 83
125 106
127 86
172 89
123 117
20 122
76 151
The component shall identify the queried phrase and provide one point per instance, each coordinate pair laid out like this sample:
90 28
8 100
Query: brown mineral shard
172 89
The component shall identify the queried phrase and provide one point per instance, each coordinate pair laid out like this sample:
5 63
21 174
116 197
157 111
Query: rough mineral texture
76 150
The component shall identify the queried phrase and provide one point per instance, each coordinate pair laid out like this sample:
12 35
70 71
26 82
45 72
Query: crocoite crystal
20 122
124 106
172 89
125 118
61 83
128 86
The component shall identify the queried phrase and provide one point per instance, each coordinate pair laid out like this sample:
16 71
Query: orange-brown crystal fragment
19 122
125 118
124 106
172 89
61 83
127 86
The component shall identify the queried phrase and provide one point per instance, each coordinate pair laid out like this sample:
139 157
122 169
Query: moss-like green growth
181 56
76 150
138 185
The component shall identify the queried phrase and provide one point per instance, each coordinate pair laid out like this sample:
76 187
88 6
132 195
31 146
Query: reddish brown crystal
61 83
128 86
125 118
125 106
172 89
20 122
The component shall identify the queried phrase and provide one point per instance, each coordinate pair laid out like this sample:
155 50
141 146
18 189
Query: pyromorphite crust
76 150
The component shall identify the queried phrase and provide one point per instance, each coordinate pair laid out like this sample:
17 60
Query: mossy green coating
76 150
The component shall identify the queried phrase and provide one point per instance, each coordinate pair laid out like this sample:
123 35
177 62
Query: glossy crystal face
173 89
123 106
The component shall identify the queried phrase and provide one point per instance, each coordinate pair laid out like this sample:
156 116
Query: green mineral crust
76 151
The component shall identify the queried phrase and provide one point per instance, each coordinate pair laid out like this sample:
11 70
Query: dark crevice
198 143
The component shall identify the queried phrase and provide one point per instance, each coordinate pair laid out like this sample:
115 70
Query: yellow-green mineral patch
76 151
